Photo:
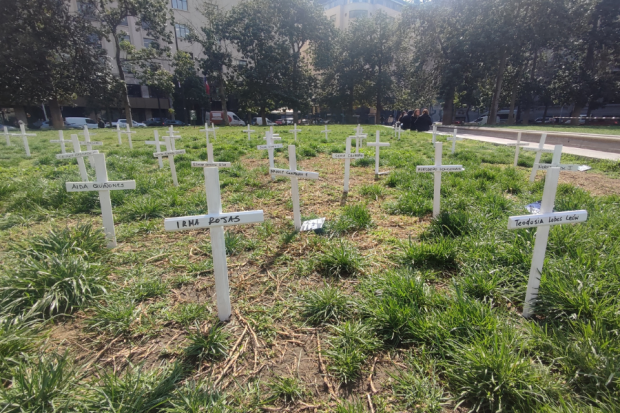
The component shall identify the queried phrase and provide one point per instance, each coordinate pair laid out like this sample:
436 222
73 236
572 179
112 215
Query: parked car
47 125
123 123
259 121
582 121
548 119
174 122
233 120
482 121
155 122
81 122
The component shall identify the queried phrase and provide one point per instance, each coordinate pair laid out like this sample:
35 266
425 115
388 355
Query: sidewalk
588 153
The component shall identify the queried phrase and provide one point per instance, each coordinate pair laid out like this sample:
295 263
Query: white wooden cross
158 144
438 168
295 130
325 132
118 132
358 141
206 130
170 152
89 144
213 128
79 155
377 144
249 132
544 220
555 162
104 187
539 151
61 140
295 175
7 136
215 220
518 145
24 136
128 132
270 147
399 130
347 156
434 134
359 130
454 138
273 135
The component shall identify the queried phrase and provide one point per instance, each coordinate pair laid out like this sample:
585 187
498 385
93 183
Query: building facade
343 12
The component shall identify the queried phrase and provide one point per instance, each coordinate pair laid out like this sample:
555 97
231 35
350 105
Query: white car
548 119
259 121
81 122
123 123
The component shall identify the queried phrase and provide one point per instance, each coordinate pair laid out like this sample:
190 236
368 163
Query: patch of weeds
355 406
340 259
115 317
441 253
17 338
374 191
449 224
266 229
306 151
364 162
81 240
141 208
146 287
326 305
210 345
419 388
187 313
495 374
410 204
481 285
235 243
195 397
349 349
287 389
353 218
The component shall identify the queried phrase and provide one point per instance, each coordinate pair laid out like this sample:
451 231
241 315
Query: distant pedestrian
100 123
406 121
390 120
424 122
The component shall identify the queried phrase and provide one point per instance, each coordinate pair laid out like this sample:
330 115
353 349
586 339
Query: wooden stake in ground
7 136
325 131
295 175
544 221
103 186
158 144
539 151
249 132
270 147
347 156
61 140
518 145
215 220
79 155
294 131
377 144
555 162
170 152
453 139
438 168
24 136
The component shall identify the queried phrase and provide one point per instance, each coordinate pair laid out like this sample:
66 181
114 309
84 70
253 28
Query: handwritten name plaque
168 153
443 168
200 164
554 218
295 174
213 220
274 146
75 154
99 186
347 155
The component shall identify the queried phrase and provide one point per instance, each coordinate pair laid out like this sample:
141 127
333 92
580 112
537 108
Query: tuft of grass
211 345
287 389
80 240
17 338
325 306
374 191
441 253
449 224
115 317
141 208
355 406
353 218
188 313
481 285
349 350
235 243
339 260
146 287
419 388
193 397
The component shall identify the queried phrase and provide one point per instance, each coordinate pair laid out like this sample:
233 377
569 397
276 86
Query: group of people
412 120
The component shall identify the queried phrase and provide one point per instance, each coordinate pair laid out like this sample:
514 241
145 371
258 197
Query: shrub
326 305
353 218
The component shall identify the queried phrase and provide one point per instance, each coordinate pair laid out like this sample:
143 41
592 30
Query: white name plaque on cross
437 169
215 220
104 187
544 221
210 163
377 144
294 174
555 162
24 135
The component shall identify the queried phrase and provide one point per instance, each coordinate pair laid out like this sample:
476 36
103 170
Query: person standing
424 122
414 118
406 121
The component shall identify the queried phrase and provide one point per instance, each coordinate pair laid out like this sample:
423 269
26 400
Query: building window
182 31
359 1
334 3
242 63
127 68
134 91
87 10
332 18
124 22
358 14
124 38
151 43
179 4
94 40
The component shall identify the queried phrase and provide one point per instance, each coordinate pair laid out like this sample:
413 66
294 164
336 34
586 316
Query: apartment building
189 15
343 12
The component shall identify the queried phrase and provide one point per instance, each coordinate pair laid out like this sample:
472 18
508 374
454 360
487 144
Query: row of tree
286 53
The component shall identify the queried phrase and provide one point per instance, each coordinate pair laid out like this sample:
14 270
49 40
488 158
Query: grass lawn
603 130
386 310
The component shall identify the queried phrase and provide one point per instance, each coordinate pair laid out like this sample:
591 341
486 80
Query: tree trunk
513 98
545 113
223 99
295 115
498 88
448 111
121 75
575 114
56 115
263 117
20 114
379 98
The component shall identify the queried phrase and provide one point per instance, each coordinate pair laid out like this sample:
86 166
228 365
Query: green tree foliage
48 55
189 88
